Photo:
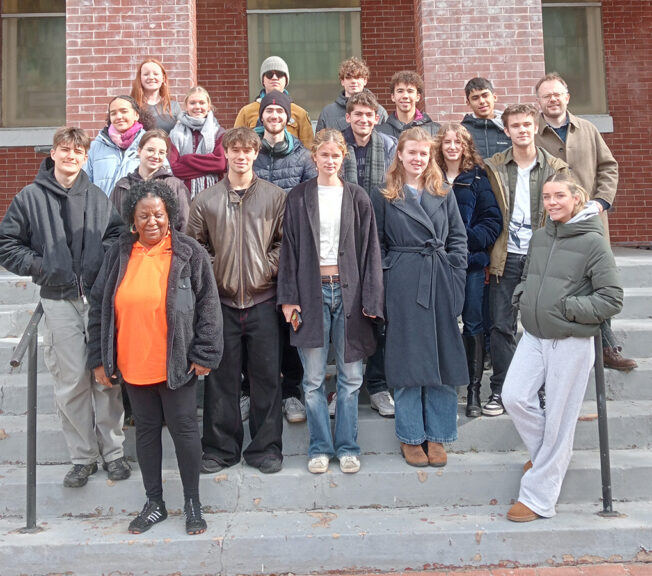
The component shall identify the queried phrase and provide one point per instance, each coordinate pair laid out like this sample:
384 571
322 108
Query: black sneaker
118 469
152 513
195 523
210 465
271 465
494 407
78 475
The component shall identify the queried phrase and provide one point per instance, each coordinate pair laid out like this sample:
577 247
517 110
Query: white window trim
603 122
21 137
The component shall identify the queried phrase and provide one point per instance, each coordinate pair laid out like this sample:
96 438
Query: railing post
603 432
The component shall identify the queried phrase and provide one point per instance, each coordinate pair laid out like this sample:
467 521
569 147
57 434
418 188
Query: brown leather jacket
243 237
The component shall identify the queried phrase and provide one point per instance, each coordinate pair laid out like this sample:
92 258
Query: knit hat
274 63
276 98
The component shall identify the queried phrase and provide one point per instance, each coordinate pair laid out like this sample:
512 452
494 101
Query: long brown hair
431 178
137 88
470 156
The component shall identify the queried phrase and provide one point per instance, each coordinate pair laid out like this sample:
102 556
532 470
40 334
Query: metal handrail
29 343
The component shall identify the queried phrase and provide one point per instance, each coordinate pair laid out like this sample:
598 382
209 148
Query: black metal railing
29 343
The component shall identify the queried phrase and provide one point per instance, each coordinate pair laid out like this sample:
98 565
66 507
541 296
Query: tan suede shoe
437 454
521 513
527 466
414 455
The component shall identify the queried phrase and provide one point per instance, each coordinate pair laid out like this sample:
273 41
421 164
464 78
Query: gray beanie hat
274 63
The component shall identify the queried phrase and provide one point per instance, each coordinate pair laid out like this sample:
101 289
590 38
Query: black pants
153 405
256 331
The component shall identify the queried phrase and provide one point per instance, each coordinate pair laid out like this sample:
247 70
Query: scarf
124 139
374 173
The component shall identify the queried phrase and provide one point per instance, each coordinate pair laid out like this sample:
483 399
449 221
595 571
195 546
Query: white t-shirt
330 214
520 224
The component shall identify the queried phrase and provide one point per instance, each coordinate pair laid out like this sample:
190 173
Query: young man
578 142
484 123
406 88
283 161
57 230
275 75
517 176
370 155
239 221
354 76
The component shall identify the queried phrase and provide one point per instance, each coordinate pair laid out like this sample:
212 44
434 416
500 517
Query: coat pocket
185 296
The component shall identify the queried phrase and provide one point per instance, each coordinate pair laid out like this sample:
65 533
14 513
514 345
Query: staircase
388 517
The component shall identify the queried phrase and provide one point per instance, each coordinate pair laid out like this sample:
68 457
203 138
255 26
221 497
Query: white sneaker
349 464
332 404
318 464
383 403
294 410
244 407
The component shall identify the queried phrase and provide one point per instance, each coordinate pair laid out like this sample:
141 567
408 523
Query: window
33 63
572 35
312 37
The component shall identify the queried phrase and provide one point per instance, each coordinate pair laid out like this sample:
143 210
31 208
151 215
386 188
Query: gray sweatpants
564 366
91 414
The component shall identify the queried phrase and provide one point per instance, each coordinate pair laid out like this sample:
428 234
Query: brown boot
612 358
414 455
521 513
436 454
527 466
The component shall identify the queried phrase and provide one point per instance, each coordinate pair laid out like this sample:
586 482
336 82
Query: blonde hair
200 90
329 135
431 178
470 156
575 189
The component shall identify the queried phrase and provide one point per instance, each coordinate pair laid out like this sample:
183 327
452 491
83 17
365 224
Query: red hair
137 88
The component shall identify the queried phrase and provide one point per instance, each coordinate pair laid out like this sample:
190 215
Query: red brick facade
18 167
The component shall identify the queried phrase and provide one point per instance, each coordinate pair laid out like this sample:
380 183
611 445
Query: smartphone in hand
295 320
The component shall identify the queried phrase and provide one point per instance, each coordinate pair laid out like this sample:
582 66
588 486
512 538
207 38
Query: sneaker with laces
245 404
383 403
332 404
349 464
318 464
118 469
195 523
152 513
494 406
78 475
294 410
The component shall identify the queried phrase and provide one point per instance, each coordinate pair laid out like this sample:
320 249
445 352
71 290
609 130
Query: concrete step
14 319
320 541
7 347
635 266
17 289
635 336
637 303
630 426
469 479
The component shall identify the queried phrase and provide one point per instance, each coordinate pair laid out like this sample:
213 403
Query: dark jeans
256 331
152 405
504 318
473 299
374 375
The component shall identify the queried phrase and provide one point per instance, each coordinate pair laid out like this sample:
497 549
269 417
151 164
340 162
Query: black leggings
152 405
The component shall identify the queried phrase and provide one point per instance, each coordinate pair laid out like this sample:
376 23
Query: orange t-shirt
140 319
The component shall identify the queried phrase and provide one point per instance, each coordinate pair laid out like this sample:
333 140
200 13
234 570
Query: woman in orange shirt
155 324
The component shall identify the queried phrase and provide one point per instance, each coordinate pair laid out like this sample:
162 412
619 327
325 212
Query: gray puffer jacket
570 282
193 312
333 115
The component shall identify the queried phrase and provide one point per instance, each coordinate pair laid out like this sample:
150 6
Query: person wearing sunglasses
275 75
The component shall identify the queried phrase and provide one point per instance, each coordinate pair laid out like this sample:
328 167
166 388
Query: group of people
169 249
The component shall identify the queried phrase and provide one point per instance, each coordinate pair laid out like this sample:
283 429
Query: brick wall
458 44
18 167
222 62
388 42
105 42
626 28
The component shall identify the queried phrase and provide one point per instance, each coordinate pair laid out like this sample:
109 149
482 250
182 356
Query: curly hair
470 156
409 78
354 68
150 189
431 178
144 117
137 87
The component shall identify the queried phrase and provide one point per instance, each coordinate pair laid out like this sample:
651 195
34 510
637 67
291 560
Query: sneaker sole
383 413
318 470
350 471
295 419
493 412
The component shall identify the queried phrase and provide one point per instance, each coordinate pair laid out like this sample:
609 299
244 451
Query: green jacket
502 172
570 282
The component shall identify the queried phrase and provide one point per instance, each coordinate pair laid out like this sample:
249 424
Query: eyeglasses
269 75
555 95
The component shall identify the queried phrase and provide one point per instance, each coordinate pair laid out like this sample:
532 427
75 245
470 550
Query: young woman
330 274
114 151
423 243
152 151
463 169
571 286
151 91
197 156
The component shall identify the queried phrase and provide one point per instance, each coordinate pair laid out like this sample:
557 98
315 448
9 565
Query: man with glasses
275 75
579 143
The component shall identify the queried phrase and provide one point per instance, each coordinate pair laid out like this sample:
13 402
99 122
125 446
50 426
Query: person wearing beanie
275 75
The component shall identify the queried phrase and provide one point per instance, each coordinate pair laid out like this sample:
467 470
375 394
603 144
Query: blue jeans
426 413
473 298
349 380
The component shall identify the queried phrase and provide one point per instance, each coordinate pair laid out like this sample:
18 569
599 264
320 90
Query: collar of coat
422 212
